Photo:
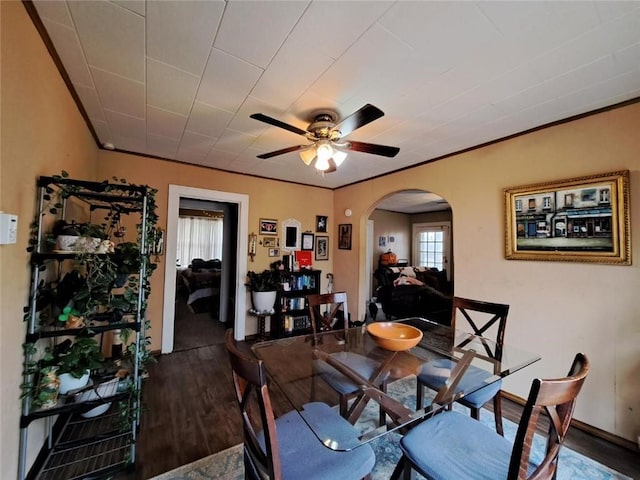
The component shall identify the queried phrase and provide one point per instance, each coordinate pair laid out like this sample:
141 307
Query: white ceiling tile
627 57
112 37
208 120
227 81
190 156
233 142
130 144
70 52
54 11
265 24
126 126
119 94
196 142
329 34
220 158
169 88
90 102
181 33
136 6
162 122
374 54
294 67
162 146
102 130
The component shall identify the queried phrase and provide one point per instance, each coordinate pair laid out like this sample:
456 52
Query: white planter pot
69 382
263 301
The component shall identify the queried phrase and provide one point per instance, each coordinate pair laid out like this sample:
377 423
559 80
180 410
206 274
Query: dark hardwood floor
191 413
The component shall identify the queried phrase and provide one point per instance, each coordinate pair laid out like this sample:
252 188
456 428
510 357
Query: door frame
444 225
173 212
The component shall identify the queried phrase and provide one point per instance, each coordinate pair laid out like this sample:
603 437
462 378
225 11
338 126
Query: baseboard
585 427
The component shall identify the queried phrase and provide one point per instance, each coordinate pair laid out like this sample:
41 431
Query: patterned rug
228 464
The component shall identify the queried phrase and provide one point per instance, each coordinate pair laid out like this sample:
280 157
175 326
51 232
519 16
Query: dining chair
451 446
335 307
285 447
481 317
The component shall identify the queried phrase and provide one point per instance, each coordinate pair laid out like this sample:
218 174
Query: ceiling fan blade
277 123
359 118
383 150
284 150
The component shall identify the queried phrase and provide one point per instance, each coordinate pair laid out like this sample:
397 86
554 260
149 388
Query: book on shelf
293 323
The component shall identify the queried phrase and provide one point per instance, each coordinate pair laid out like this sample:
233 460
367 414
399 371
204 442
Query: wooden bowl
394 336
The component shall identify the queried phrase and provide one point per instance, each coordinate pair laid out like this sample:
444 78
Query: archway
415 225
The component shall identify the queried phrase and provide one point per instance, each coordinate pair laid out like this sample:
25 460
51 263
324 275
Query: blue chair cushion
303 456
451 446
434 374
365 367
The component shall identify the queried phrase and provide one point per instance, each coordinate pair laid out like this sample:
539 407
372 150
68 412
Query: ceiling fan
328 146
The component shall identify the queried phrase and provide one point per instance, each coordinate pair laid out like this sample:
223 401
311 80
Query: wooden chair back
557 398
250 385
320 321
474 312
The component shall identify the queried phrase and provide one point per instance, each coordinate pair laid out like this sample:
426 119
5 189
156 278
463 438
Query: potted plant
77 236
264 287
127 259
74 361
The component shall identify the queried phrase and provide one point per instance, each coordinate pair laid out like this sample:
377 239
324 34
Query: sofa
433 300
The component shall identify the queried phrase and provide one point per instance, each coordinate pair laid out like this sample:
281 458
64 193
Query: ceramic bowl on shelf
104 390
394 336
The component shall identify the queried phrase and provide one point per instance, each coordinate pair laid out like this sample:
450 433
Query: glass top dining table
292 363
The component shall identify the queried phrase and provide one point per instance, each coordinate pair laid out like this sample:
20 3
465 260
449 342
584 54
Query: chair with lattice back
337 311
451 446
285 447
481 317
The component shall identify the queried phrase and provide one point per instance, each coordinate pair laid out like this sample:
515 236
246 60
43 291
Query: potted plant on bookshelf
264 287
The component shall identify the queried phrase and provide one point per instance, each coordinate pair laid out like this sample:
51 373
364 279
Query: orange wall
42 133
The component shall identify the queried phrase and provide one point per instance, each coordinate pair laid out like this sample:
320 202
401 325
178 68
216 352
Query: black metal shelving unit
77 447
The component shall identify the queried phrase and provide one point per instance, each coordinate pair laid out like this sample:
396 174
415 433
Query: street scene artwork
583 219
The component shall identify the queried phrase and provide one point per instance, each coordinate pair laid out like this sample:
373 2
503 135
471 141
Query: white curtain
198 237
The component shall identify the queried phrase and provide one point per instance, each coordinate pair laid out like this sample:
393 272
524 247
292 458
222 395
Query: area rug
228 464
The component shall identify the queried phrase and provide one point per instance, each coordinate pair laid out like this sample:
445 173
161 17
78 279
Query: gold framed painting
583 219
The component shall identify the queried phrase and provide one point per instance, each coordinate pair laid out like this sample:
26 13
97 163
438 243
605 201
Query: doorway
205 262
235 289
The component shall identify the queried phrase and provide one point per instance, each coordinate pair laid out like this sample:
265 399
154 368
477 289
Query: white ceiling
179 79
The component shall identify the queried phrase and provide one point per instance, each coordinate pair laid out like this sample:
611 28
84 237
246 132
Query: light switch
8 228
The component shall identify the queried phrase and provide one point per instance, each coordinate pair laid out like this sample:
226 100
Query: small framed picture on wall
322 247
344 236
307 241
321 223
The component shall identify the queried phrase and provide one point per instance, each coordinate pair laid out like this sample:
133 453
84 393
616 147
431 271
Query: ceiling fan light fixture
324 150
339 156
322 163
308 155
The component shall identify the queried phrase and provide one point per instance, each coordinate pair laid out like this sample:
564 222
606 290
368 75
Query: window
532 204
605 195
518 205
199 237
546 202
431 245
